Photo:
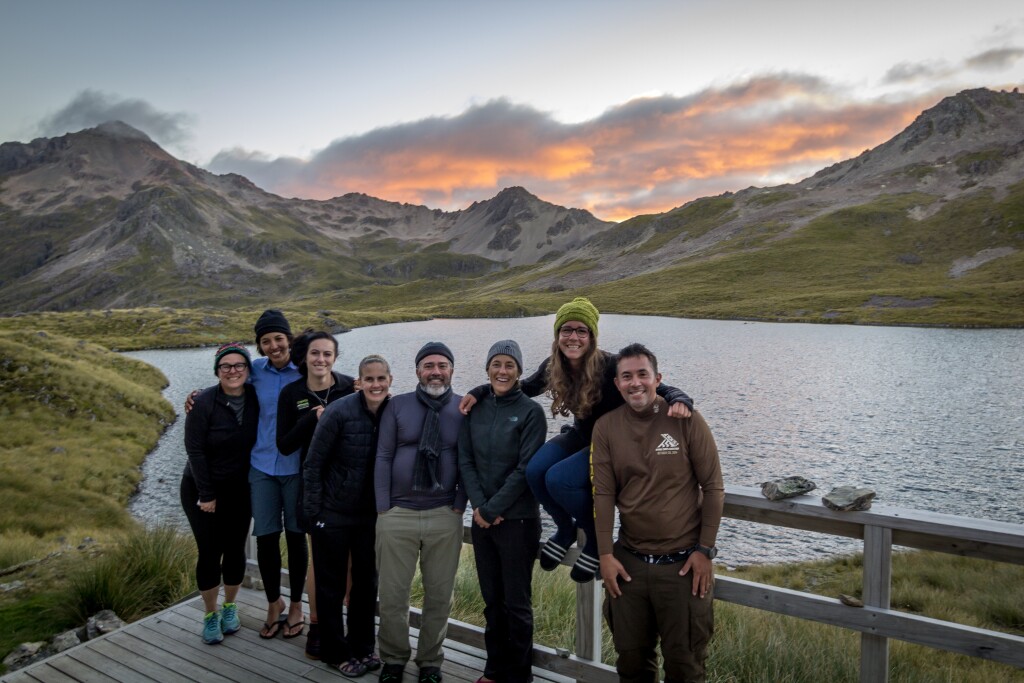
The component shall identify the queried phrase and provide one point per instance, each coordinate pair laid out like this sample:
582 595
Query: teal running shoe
211 629
229 621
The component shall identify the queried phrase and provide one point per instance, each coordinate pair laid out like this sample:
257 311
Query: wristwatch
711 552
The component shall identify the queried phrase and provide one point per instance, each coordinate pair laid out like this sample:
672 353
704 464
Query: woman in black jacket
339 501
220 431
299 407
496 442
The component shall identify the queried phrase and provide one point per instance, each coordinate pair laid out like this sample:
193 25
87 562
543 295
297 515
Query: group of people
380 484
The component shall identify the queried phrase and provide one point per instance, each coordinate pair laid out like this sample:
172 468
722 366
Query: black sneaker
391 673
430 674
313 642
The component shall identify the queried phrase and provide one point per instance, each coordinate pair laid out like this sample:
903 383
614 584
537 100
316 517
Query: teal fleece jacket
497 439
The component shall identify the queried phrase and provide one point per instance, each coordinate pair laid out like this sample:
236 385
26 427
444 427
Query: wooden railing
880 528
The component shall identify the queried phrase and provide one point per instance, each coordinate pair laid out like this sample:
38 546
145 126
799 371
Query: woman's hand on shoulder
466 405
678 410
190 401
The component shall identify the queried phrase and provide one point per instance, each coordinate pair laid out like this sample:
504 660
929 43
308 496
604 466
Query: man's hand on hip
611 570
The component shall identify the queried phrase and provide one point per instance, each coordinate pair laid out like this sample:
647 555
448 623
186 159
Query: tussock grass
753 646
145 571
20 546
76 421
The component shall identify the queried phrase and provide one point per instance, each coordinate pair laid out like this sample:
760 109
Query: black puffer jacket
338 472
218 447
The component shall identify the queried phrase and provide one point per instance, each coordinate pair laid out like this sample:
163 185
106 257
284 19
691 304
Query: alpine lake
929 418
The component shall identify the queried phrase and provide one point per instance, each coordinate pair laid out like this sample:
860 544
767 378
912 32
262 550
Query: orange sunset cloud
644 156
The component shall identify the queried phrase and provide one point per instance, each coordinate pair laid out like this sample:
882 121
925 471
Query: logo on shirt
514 418
302 404
668 445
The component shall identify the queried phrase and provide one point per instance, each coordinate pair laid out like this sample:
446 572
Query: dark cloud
90 108
643 156
995 59
910 72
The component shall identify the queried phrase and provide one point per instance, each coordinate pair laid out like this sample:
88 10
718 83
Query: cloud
911 72
90 108
646 155
995 59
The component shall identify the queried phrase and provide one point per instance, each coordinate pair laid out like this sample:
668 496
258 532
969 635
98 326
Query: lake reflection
929 418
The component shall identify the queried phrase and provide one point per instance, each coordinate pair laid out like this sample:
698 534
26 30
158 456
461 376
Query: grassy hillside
868 264
76 421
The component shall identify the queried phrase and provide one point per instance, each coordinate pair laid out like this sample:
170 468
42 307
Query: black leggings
268 556
220 535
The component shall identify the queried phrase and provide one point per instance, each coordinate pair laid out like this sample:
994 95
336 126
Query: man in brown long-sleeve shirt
663 474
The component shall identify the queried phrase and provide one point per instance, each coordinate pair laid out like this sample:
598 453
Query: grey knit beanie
507 347
435 348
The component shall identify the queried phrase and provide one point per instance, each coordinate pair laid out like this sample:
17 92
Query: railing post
588 615
588 620
876 592
252 575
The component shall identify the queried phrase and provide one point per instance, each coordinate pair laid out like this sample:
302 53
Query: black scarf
428 457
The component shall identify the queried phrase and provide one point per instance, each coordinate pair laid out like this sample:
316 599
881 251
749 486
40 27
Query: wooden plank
588 621
181 643
572 667
91 656
912 628
958 546
79 671
1003 541
264 657
43 673
877 582
139 660
175 656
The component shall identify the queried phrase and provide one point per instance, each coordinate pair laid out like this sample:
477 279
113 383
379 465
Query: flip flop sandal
288 626
270 630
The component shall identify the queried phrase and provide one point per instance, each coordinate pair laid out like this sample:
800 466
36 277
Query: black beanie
432 348
272 320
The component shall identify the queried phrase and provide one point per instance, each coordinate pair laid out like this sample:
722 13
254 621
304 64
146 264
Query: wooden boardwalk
166 647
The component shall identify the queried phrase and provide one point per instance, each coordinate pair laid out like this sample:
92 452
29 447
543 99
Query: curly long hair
575 392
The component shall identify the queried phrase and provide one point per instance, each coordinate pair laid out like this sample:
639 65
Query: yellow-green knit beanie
581 310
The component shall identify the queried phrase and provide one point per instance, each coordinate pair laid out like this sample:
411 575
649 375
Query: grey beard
435 390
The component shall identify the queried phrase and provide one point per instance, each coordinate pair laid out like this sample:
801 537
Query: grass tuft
147 570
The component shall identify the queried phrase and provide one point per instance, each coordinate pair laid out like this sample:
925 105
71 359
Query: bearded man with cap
419 506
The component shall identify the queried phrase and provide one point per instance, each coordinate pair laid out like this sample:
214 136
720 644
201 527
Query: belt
666 558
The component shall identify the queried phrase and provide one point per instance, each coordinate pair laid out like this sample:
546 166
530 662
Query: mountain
926 227
106 218
968 148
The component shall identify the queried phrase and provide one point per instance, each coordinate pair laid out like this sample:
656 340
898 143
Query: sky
620 108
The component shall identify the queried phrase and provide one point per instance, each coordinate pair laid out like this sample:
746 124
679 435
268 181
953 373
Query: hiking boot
211 628
430 674
229 621
391 673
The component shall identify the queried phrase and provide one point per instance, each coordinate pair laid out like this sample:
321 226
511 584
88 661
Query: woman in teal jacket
495 443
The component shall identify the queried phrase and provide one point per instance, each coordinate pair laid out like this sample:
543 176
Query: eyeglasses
580 332
227 367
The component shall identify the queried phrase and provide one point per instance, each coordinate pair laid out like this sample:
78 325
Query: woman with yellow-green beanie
580 379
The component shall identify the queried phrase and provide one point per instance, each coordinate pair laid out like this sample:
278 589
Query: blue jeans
560 479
